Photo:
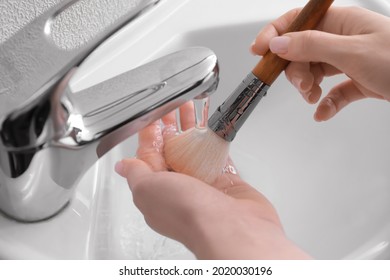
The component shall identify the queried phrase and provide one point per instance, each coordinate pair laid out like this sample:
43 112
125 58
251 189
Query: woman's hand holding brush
228 219
348 40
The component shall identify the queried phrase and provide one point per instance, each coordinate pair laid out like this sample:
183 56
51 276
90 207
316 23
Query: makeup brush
203 153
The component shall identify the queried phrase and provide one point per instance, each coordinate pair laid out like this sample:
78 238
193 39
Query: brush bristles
197 152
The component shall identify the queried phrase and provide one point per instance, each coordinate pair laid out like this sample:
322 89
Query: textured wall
82 21
17 13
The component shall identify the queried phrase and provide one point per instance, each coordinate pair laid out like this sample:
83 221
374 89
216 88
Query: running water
201 109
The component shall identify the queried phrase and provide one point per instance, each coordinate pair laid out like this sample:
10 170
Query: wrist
230 236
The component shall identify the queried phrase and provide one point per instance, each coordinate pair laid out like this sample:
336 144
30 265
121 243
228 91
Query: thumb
314 46
133 170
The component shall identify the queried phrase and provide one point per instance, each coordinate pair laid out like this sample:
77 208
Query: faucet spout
46 147
117 108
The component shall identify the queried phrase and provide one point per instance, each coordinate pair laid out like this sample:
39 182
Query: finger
187 115
319 71
277 27
337 20
299 74
170 118
306 79
339 97
160 202
313 46
168 201
150 146
308 74
170 126
261 43
134 170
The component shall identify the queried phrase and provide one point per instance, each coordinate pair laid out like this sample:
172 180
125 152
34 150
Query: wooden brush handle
271 65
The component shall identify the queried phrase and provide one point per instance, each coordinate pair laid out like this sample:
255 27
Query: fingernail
320 113
119 168
252 48
313 98
296 82
279 45
325 110
310 98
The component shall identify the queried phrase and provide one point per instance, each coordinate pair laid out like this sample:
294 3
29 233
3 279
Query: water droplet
230 169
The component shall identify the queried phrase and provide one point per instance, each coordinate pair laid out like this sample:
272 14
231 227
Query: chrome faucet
50 134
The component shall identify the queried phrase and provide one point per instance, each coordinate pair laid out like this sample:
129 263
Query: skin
226 220
350 40
230 219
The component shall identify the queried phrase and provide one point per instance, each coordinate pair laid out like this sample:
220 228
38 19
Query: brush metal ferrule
230 116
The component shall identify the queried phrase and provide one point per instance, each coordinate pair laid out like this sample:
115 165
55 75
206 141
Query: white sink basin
330 181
